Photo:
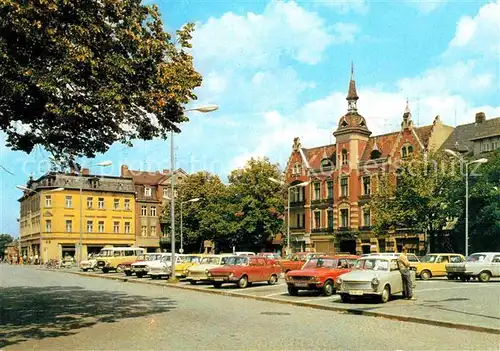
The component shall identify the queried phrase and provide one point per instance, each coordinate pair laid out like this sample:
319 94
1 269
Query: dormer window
375 154
326 164
297 169
147 191
344 157
406 151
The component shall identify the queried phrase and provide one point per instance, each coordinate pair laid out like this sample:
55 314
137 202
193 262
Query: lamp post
462 161
181 250
288 208
202 109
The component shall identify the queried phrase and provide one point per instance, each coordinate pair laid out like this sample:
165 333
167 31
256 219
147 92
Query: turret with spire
352 95
407 122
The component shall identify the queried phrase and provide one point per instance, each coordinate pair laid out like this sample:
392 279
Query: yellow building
50 224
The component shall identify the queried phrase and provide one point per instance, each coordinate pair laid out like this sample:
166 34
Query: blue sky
280 69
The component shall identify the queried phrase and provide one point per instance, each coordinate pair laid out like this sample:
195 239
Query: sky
280 69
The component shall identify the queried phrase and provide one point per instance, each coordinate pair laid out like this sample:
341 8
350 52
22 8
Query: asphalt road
50 310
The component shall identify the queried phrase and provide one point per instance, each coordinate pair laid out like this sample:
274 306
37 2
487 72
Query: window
300 220
406 151
48 225
375 154
152 211
147 191
90 226
116 227
48 201
116 204
326 164
144 210
144 230
69 225
69 202
366 186
126 204
317 219
344 157
297 169
127 227
329 186
153 230
317 191
343 187
366 217
344 218
101 226
100 203
330 219
90 202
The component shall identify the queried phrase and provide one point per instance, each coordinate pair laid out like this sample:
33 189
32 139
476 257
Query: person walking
404 268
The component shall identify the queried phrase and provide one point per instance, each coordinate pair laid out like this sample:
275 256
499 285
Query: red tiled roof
317 154
424 133
384 143
147 178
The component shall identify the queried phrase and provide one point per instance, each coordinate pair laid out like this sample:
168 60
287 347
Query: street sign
181 251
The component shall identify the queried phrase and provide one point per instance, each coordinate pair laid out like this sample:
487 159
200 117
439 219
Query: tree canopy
5 240
77 76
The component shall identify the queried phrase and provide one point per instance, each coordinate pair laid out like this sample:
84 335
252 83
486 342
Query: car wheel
272 280
243 282
345 298
292 291
85 269
128 273
119 269
484 277
192 282
386 294
328 289
450 277
425 275
217 284
139 275
105 270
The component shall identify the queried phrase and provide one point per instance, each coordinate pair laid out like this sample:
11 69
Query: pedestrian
404 268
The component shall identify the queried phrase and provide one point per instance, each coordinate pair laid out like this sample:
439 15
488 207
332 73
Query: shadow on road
38 313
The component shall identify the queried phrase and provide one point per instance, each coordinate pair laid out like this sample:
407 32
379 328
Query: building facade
332 213
52 217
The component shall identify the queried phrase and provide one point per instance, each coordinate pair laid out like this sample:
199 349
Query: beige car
377 276
199 273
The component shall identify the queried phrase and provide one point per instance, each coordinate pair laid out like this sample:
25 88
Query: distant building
332 213
475 139
51 220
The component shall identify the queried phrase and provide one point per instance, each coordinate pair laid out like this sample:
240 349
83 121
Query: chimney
124 171
480 117
166 171
85 171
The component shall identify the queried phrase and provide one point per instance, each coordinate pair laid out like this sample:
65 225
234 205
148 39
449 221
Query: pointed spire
324 154
407 109
352 95
407 122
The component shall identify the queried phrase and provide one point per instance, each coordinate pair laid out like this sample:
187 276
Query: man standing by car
404 268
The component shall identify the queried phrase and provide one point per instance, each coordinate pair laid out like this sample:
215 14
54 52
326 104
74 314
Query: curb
352 311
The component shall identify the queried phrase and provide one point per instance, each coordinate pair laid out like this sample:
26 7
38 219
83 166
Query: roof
424 134
317 154
383 143
463 136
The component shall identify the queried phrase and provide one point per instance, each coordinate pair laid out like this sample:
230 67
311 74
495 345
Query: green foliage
5 240
77 76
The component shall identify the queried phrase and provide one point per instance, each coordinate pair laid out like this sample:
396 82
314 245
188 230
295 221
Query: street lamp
202 109
181 250
288 208
462 161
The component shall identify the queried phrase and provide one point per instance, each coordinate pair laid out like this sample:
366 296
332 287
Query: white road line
275 294
458 287
321 298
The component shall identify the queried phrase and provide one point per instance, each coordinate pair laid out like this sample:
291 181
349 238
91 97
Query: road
51 310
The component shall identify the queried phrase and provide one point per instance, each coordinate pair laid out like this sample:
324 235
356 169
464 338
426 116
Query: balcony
365 228
325 201
297 203
323 230
344 229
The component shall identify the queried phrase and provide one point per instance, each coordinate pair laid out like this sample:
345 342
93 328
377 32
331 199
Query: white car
199 273
481 265
91 263
141 268
162 268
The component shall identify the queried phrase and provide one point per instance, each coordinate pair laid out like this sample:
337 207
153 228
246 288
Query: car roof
386 257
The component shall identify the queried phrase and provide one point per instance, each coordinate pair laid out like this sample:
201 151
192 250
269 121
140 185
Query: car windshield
210 260
429 258
456 259
106 253
373 264
320 263
192 259
237 261
141 258
155 257
476 258
166 258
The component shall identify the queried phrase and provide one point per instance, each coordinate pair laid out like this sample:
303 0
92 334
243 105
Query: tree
421 198
5 240
77 76
261 202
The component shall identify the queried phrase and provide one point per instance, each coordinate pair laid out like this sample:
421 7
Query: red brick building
331 213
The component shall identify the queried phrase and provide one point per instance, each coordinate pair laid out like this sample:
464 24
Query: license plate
356 292
219 279
301 285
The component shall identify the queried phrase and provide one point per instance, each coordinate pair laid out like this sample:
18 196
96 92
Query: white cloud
345 6
426 6
261 40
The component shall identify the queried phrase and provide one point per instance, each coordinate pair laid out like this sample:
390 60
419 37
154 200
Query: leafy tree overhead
5 240
78 75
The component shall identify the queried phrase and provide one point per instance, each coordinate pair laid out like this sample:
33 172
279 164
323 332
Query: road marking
275 294
321 298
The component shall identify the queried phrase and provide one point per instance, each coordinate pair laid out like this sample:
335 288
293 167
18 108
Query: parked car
181 269
199 273
141 268
411 257
126 267
434 265
296 261
111 257
318 273
90 263
162 268
243 270
481 265
270 256
244 253
374 276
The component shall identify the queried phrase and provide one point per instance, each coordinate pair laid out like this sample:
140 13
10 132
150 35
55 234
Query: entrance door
366 248
348 245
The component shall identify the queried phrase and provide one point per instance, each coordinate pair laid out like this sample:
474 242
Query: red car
126 267
297 260
242 270
271 257
319 273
